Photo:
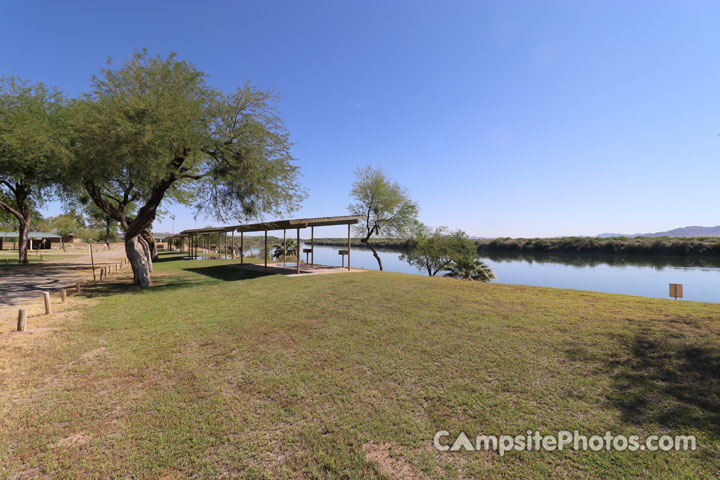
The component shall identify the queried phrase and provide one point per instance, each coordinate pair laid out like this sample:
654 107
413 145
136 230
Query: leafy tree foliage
279 250
469 268
153 131
433 250
385 205
31 150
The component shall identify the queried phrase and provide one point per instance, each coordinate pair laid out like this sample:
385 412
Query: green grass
9 261
220 373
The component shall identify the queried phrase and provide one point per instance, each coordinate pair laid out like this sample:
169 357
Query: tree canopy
385 205
434 249
153 130
32 149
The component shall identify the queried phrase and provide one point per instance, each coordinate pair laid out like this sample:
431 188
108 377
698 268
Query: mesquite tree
434 249
152 130
384 204
31 150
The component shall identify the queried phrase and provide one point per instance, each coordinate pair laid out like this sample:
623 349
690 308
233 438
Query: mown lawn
10 260
219 373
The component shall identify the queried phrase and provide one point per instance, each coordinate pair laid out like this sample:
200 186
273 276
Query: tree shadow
664 378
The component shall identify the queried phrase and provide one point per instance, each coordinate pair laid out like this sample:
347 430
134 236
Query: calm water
630 275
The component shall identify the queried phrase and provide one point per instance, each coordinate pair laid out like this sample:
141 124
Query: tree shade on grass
207 374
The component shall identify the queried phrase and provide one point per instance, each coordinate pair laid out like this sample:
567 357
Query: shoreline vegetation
672 246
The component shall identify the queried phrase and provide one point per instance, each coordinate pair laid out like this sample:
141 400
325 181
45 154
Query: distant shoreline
671 246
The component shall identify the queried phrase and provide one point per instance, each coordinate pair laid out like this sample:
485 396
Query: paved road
17 285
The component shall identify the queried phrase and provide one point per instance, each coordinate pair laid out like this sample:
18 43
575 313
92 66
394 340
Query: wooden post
312 247
348 247
48 308
22 320
298 252
101 274
266 250
63 295
225 252
92 260
284 247
232 246
242 247
77 287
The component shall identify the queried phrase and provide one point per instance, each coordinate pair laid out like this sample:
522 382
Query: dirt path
21 284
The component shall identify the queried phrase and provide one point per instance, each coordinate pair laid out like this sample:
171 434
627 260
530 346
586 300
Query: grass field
216 372
10 260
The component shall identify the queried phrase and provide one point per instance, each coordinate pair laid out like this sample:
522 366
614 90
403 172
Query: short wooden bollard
63 295
101 274
77 287
48 308
22 320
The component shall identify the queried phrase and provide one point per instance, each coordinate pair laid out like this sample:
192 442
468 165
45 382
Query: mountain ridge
690 231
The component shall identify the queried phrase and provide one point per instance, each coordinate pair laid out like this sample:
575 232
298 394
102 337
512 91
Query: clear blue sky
501 118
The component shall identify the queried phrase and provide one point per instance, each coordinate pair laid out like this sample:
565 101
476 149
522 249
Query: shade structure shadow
290 269
229 273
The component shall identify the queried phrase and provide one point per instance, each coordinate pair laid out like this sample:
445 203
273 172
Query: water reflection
658 262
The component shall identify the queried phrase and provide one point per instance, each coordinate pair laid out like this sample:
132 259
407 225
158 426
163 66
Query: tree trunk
152 246
107 232
377 257
22 214
138 253
23 243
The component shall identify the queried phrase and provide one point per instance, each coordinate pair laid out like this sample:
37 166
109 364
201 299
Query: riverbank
675 246
220 372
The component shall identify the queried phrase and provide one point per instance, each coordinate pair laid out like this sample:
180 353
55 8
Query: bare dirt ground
24 284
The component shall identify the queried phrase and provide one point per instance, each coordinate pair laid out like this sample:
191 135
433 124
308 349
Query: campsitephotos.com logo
562 440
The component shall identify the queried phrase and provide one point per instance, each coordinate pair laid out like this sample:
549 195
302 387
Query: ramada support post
298 252
232 246
312 247
225 252
265 250
348 247
242 247
284 247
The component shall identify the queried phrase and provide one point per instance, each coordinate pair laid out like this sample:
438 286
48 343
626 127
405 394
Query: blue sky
501 118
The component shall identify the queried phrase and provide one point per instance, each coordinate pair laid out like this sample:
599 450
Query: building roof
279 225
31 235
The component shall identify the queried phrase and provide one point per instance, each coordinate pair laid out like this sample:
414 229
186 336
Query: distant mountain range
675 232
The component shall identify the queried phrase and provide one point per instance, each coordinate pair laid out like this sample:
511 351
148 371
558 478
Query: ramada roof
279 225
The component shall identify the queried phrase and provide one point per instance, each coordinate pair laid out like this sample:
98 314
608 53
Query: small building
36 240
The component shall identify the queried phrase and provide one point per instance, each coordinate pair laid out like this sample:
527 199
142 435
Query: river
647 276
